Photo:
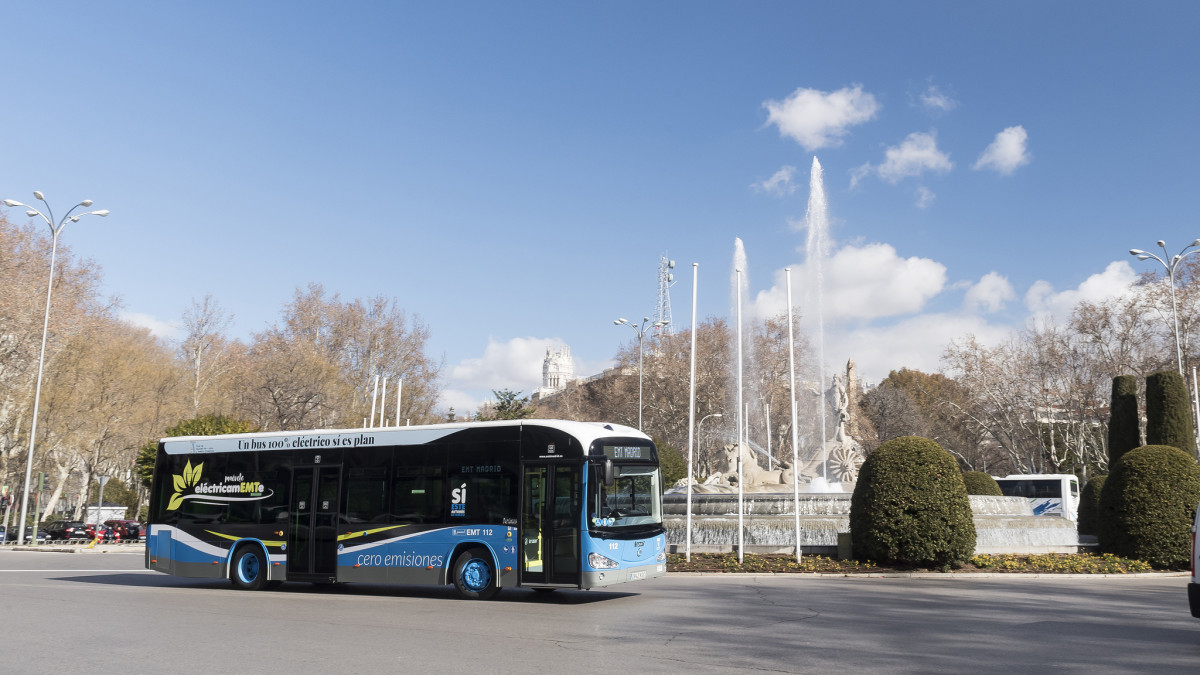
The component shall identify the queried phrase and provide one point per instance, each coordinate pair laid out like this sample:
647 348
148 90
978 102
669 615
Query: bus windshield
634 498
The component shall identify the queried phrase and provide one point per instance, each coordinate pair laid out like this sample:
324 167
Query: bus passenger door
550 516
312 535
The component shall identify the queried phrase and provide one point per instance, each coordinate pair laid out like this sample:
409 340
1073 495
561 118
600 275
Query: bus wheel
474 575
249 569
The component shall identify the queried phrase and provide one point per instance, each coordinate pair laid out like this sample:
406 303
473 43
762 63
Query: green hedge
910 506
1168 412
981 483
1089 505
1123 432
1147 506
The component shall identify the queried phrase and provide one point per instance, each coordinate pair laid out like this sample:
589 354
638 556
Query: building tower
558 369
666 279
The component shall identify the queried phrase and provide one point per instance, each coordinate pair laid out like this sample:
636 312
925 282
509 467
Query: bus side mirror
609 474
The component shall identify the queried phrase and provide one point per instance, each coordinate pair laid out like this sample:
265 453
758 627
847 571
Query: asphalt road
102 613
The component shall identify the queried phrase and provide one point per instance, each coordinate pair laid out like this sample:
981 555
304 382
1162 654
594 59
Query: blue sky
512 172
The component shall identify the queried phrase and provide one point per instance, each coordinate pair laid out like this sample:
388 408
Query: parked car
42 536
66 530
127 530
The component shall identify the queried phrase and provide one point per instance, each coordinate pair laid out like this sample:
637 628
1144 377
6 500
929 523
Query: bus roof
586 432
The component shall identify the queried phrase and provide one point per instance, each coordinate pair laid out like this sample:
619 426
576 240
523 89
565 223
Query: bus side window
365 496
418 495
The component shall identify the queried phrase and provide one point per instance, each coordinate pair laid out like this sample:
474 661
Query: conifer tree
1123 422
1168 412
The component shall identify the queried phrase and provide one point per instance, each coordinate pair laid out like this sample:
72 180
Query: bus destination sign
628 452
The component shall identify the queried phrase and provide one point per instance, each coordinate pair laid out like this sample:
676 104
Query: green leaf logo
191 476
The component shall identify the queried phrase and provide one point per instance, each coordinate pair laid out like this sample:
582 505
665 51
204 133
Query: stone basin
1002 524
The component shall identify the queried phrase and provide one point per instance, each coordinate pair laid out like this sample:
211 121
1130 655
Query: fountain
1002 524
758 508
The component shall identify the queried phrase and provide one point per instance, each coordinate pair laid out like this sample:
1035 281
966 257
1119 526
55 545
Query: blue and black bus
541 504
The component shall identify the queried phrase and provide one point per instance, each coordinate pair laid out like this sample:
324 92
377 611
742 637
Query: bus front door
312 531
550 517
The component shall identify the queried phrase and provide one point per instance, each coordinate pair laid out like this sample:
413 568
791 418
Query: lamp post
1171 267
55 230
641 334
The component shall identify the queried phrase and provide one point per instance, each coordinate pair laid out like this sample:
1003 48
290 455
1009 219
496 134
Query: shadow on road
508 595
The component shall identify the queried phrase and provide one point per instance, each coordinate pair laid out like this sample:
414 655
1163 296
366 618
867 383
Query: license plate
634 576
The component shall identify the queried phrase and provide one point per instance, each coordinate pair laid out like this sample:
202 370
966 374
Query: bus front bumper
620 576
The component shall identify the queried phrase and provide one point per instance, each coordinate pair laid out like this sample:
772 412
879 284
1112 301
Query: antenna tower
666 279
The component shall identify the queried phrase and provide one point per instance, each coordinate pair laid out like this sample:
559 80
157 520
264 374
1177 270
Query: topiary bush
910 506
1147 506
980 483
1089 505
1168 412
1123 432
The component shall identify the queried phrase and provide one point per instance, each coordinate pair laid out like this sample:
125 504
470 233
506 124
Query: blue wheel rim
476 574
248 568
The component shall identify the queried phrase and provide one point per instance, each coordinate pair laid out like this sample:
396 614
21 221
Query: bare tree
113 386
205 348
24 268
316 368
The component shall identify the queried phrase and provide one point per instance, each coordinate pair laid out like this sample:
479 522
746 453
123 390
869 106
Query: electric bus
541 504
1049 494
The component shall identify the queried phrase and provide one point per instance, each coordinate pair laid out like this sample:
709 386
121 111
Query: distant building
558 370
99 514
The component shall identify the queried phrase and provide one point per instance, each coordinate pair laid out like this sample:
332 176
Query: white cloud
516 365
163 329
872 281
860 283
915 155
1006 153
933 98
859 174
875 307
989 295
465 403
817 119
779 184
925 197
916 343
1114 282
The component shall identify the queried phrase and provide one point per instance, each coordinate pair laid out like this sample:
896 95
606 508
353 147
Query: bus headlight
599 562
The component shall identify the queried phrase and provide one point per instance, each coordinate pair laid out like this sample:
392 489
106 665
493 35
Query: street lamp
641 333
1171 267
54 232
